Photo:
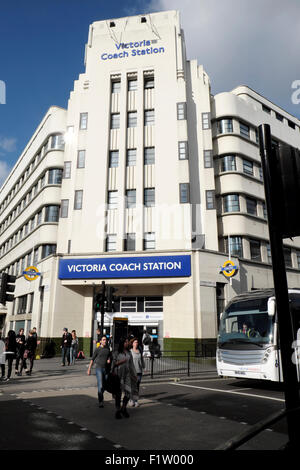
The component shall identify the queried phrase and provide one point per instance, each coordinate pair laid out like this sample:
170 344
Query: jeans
65 352
100 374
31 357
73 354
9 358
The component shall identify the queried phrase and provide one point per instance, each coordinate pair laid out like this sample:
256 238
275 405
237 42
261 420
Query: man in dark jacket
66 342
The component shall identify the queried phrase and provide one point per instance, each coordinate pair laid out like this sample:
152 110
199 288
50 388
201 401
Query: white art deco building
145 181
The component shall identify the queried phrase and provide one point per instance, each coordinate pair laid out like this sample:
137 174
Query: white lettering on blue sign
151 266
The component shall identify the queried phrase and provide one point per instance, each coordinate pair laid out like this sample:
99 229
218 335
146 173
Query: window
184 193
228 163
55 176
149 241
64 208
129 242
149 117
291 124
269 254
287 253
279 117
207 158
210 199
132 119
22 304
244 130
35 256
248 167
181 111
149 83
183 150
81 159
48 250
67 170
149 197
116 87
39 217
130 198
83 121
112 199
131 157
251 206
255 253
224 126
298 259
265 212
266 109
132 85
51 214
111 242
205 121
30 302
231 203
149 155
114 159
235 247
115 121
78 199
57 142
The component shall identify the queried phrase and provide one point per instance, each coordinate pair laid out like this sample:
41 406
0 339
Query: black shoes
124 413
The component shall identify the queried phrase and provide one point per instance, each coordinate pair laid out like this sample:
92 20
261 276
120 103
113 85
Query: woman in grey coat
139 365
124 368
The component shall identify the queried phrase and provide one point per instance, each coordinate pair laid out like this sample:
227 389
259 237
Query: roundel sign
31 273
229 269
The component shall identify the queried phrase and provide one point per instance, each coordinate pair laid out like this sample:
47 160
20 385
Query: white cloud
252 42
4 171
8 144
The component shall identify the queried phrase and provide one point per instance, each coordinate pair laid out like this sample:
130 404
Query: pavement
56 409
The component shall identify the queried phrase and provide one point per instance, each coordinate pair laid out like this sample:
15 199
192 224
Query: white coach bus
248 342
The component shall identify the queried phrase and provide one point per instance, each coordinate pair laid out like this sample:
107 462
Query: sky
252 42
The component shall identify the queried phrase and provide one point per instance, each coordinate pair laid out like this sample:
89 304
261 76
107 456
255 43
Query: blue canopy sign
129 267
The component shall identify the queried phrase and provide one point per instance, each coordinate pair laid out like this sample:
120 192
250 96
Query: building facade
145 181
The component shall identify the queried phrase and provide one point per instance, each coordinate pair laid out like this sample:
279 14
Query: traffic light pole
102 307
286 337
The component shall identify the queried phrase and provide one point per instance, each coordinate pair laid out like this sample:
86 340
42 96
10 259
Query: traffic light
99 299
7 285
111 298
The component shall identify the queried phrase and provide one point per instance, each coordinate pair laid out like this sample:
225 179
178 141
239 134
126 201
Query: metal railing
179 363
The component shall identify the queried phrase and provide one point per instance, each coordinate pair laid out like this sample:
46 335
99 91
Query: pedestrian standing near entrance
102 358
10 347
74 347
66 342
123 366
20 339
29 353
139 365
146 340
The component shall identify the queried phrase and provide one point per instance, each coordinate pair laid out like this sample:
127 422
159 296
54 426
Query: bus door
120 330
295 314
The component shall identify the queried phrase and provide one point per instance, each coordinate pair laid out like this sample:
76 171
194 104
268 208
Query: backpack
80 355
147 340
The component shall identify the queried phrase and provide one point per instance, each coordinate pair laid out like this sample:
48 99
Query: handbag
25 355
112 383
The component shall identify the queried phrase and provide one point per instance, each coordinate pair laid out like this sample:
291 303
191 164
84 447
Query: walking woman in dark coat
123 366
11 347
